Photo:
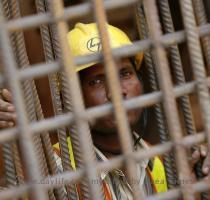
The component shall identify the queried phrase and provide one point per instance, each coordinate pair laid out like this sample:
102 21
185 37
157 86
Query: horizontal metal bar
39 70
70 177
90 114
154 150
62 179
50 182
43 69
129 50
98 111
69 13
160 149
73 177
9 193
139 46
32 21
199 186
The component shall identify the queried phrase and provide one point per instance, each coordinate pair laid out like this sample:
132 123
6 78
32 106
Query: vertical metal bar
48 146
177 67
18 164
201 17
168 159
67 103
169 102
22 59
115 91
197 63
49 56
10 70
78 105
19 49
66 97
179 75
66 100
9 166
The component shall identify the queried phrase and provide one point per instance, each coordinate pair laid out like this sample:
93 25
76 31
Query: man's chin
106 125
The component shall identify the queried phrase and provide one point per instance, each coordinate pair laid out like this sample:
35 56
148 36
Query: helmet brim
138 61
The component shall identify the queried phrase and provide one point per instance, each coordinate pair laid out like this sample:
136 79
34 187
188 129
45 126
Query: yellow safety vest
157 173
158 176
57 147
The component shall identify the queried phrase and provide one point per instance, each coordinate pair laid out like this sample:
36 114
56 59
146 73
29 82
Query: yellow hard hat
84 39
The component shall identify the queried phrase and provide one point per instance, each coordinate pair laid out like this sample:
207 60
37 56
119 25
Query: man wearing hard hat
84 40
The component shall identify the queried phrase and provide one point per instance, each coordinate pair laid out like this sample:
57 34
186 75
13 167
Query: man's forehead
100 69
93 70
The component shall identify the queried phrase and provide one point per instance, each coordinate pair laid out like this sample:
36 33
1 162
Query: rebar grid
40 70
169 102
116 97
32 100
25 137
179 74
18 45
69 177
67 104
78 106
159 116
69 13
98 111
10 165
197 63
202 19
82 116
49 56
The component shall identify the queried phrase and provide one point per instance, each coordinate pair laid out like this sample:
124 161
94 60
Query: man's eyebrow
126 66
101 75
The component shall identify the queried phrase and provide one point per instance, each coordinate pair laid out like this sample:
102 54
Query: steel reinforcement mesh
30 165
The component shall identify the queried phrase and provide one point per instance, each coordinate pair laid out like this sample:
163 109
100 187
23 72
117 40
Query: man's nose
123 92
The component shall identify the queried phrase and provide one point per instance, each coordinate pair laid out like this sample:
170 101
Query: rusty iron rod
159 116
9 165
113 82
49 56
197 63
169 102
115 163
66 97
145 100
39 70
69 13
201 18
77 104
25 138
17 39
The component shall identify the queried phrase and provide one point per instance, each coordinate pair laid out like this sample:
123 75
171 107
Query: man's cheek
100 97
95 98
134 91
137 89
133 87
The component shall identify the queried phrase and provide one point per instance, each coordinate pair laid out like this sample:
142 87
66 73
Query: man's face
96 92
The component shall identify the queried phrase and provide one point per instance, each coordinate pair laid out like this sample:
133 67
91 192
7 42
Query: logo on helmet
94 44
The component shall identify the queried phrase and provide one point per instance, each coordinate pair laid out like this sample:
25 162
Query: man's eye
126 74
96 82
